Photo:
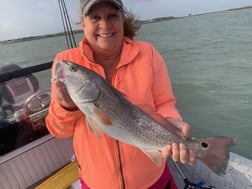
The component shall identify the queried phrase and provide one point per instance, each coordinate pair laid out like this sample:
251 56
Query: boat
31 158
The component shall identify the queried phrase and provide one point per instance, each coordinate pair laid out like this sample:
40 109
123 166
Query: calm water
210 64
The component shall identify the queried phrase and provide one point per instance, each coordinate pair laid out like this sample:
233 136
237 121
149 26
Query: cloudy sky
23 18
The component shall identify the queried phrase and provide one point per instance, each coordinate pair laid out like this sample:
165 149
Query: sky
24 18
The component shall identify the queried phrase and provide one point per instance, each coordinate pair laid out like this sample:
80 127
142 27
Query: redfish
107 110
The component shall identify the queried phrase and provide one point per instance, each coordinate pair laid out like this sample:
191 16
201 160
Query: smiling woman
136 69
103 27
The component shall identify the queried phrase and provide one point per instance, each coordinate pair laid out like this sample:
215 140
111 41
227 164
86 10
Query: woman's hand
64 98
178 152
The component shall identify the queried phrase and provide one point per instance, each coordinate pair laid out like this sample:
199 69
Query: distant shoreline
172 17
79 31
35 37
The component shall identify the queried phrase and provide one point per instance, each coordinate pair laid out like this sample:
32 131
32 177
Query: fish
109 111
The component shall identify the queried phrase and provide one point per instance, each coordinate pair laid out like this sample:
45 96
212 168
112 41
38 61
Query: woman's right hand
63 97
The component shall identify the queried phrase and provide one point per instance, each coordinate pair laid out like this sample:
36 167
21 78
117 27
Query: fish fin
151 112
215 152
121 93
124 95
93 128
154 155
102 117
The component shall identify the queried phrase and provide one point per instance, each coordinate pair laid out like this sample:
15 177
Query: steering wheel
38 101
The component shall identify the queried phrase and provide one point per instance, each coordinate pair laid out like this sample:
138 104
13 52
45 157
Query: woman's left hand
179 152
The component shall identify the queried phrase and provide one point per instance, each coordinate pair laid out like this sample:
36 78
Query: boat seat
17 90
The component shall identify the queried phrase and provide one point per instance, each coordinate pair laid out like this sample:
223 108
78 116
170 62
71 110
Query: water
210 64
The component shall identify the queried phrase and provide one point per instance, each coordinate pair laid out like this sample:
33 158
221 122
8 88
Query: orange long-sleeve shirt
107 163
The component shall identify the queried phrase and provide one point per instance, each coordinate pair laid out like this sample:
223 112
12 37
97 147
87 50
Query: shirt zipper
118 143
120 164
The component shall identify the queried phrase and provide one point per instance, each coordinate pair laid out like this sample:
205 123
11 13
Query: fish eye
73 68
204 145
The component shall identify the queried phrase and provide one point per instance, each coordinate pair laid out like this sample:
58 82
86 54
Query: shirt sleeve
59 121
162 90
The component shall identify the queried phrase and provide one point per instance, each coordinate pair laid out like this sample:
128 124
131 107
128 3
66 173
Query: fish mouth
59 73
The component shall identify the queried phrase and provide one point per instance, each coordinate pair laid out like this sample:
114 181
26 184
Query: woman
137 70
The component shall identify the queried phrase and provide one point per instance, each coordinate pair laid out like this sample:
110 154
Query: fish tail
214 152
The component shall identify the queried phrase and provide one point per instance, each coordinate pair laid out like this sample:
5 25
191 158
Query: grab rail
24 71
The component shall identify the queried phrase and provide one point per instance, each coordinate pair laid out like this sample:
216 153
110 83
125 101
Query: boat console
23 108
